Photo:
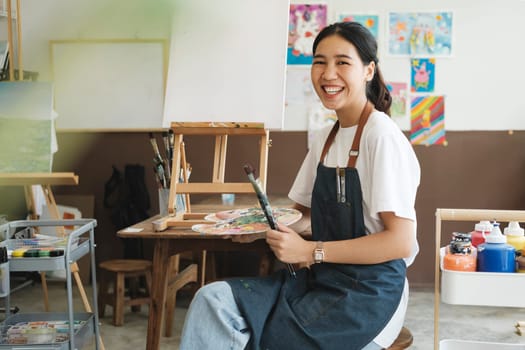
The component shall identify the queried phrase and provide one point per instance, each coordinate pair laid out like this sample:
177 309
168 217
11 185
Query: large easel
221 130
185 219
10 40
46 180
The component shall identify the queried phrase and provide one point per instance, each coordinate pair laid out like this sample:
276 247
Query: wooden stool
403 340
122 269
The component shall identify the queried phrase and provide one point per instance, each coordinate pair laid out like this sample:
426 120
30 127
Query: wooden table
175 241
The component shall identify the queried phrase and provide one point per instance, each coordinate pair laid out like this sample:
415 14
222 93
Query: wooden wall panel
476 170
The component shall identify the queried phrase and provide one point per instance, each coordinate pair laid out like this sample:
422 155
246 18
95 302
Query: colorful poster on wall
427 120
370 22
399 92
420 34
306 21
422 74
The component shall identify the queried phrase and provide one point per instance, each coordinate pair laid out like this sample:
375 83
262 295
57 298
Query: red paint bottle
481 229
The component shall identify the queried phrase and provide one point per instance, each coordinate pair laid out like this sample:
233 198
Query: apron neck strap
354 150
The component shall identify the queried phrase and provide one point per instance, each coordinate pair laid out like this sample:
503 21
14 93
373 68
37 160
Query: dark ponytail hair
366 45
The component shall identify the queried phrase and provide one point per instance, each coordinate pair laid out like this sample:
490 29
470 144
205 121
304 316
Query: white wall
483 81
107 100
93 19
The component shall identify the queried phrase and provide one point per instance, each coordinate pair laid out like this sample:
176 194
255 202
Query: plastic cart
474 288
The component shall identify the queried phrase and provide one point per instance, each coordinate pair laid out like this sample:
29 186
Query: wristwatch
319 252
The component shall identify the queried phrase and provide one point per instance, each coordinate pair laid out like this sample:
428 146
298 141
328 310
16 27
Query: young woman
358 185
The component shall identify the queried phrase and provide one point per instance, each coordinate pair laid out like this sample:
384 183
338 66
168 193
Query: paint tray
82 334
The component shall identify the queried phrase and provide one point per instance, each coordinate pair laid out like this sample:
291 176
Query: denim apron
328 306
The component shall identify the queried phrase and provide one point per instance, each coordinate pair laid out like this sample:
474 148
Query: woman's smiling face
338 75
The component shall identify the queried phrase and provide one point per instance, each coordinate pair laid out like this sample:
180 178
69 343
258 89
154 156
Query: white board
108 84
227 61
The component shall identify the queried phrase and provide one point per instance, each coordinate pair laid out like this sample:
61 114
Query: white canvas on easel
227 62
108 84
27 134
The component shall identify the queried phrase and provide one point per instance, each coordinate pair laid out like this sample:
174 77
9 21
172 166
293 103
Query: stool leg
148 281
134 285
102 293
118 310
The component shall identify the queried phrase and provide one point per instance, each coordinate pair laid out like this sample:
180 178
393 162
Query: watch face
318 256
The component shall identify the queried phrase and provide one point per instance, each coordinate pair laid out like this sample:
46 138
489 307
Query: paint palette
245 221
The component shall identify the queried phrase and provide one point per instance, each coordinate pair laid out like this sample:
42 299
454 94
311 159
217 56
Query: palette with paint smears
245 221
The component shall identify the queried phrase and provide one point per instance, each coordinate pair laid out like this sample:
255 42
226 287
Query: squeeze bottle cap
495 236
483 226
514 229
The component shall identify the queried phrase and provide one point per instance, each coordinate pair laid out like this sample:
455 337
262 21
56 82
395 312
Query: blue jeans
213 321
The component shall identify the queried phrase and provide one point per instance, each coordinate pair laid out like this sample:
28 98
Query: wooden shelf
24 179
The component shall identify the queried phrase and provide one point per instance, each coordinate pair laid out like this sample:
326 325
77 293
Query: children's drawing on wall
318 118
422 74
299 89
370 22
399 93
427 120
305 23
422 34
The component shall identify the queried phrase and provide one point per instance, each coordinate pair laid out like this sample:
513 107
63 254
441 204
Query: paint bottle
520 262
515 235
461 255
495 255
4 272
480 230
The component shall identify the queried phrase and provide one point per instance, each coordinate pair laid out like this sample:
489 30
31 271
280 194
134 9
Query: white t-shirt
389 173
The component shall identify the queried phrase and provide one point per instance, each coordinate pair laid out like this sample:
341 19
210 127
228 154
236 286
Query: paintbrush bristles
249 169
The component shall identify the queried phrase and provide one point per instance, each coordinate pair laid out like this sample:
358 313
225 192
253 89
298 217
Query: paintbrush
265 205
166 140
160 164
156 152
171 141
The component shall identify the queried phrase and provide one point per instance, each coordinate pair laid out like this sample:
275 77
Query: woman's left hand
288 246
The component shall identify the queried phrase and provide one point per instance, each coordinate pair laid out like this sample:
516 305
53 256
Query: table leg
158 293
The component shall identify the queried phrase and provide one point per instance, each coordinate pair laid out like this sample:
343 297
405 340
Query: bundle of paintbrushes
162 165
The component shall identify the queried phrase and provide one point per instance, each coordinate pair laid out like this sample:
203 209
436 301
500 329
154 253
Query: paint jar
461 255
515 235
495 255
480 230
164 195
228 198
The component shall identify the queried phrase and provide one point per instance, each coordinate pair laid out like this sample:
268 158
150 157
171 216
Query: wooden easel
10 41
185 219
221 131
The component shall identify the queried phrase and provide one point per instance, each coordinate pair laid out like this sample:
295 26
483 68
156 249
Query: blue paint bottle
495 255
